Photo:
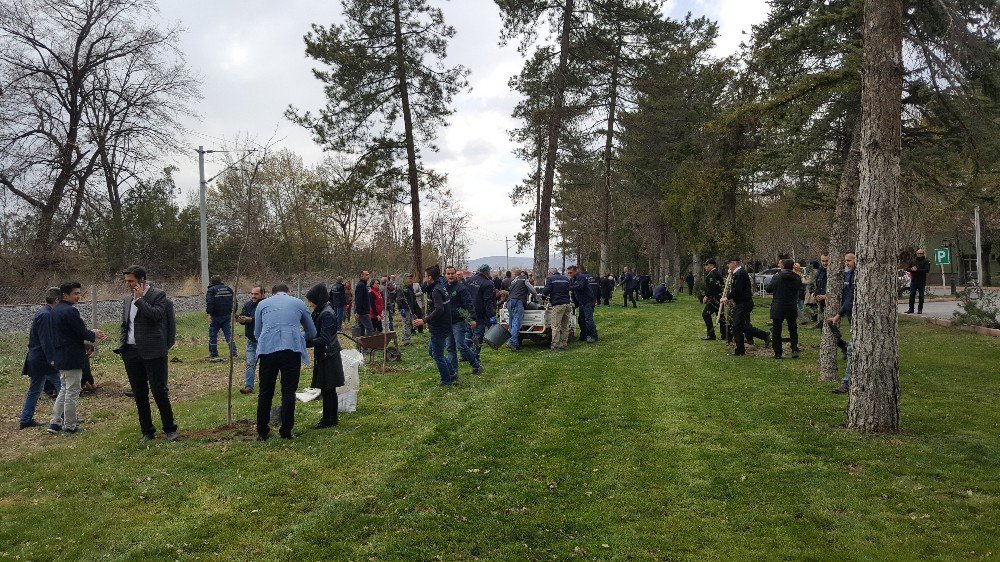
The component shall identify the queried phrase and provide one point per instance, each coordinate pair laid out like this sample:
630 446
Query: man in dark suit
741 293
785 286
362 306
38 364
919 268
143 348
629 286
713 292
69 334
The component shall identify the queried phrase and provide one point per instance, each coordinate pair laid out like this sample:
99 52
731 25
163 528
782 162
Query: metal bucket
496 336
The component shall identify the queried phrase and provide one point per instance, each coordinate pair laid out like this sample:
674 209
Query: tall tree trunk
541 262
843 223
874 398
609 139
411 150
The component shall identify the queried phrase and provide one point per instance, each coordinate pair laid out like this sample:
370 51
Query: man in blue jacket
69 334
38 365
438 322
846 311
219 301
281 349
579 288
484 300
463 314
362 306
557 290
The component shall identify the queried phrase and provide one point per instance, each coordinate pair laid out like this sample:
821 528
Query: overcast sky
250 55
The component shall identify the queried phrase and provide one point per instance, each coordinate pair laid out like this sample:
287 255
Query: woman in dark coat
328 370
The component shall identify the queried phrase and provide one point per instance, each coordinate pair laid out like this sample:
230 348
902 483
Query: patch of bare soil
104 406
239 430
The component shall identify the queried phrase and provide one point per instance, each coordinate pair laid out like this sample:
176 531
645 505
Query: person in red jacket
377 303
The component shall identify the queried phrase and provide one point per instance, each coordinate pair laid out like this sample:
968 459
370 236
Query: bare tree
76 75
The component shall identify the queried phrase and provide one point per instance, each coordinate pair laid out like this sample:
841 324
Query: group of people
787 287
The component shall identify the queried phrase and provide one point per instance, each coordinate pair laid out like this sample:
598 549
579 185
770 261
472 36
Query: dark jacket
484 297
462 308
41 345
741 289
557 289
69 333
594 284
337 297
785 285
629 282
519 290
219 300
918 278
714 284
819 283
579 288
689 279
248 309
151 332
497 285
409 302
361 299
328 370
438 307
847 299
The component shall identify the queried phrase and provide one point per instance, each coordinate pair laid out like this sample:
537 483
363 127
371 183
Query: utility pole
979 251
203 208
506 242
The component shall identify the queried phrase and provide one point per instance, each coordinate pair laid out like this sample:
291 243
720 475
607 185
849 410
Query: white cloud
251 55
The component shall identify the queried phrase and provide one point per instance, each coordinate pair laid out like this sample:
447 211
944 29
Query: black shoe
478 370
738 354
778 357
708 338
129 394
287 436
842 389
324 425
54 428
26 425
146 438
909 311
173 436
795 354
262 437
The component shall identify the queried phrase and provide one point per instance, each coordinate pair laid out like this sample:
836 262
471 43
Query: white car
534 325
764 277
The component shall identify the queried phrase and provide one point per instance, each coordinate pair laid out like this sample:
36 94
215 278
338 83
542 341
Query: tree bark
541 261
874 397
411 151
843 223
609 139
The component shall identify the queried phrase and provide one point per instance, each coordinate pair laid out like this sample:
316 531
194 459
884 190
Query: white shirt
133 310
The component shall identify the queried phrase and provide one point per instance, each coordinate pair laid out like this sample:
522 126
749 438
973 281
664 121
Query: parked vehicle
764 277
535 324
903 280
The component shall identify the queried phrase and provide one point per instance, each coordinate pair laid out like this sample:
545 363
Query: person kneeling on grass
328 370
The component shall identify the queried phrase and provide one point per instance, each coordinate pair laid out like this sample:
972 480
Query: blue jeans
34 389
458 341
224 323
251 362
476 340
515 309
847 368
436 349
338 318
588 329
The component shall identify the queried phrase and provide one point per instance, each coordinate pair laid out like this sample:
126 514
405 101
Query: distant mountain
500 262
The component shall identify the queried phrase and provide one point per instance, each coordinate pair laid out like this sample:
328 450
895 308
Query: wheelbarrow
384 342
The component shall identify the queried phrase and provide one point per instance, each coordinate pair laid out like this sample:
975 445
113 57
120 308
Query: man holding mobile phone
143 349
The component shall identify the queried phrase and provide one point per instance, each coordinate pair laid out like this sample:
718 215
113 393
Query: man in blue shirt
281 348
363 306
246 318
219 301
557 290
69 333
38 365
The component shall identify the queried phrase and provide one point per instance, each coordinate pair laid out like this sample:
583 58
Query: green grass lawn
650 444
